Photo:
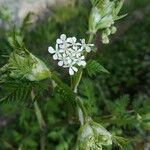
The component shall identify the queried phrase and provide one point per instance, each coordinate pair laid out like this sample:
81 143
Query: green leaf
15 39
24 65
120 141
87 91
65 92
94 2
17 92
5 13
27 21
94 67
119 107
63 89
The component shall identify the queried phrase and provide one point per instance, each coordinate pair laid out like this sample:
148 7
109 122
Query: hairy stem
83 115
41 121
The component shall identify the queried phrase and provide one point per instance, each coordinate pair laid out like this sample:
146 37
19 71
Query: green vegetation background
119 100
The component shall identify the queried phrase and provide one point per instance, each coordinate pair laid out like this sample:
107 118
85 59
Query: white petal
91 45
78 55
83 41
68 53
69 40
70 49
74 39
51 50
55 57
59 56
60 63
74 62
78 44
80 49
63 37
73 54
56 46
62 46
79 63
59 41
83 63
61 50
71 72
74 68
69 60
82 57
88 49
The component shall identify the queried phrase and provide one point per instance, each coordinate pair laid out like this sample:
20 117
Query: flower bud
105 38
93 136
27 66
39 70
113 30
104 137
105 22
107 31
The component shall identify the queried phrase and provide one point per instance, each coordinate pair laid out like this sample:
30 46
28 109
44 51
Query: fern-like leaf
94 67
88 95
119 107
16 92
63 89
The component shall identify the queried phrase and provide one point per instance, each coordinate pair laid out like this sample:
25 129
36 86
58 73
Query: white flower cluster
70 53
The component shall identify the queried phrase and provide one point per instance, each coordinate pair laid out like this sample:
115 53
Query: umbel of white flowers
70 53
103 16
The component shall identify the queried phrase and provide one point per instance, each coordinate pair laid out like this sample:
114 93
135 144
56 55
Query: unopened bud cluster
93 136
103 16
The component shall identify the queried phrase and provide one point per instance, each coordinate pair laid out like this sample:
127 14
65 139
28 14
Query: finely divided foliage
70 53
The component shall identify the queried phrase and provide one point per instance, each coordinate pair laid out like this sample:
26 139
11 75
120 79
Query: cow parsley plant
69 53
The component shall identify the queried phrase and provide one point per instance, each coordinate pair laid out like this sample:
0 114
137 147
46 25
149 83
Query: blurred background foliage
119 100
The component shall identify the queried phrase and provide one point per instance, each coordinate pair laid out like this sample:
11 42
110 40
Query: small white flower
85 46
55 52
73 42
62 60
62 39
81 61
62 42
72 70
71 66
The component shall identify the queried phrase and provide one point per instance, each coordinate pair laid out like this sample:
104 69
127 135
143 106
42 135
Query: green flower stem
75 80
41 121
71 82
83 115
91 38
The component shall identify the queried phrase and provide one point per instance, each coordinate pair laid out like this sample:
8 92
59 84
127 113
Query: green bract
27 66
103 16
92 136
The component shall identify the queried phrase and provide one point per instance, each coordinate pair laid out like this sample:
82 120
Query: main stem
41 121
74 85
